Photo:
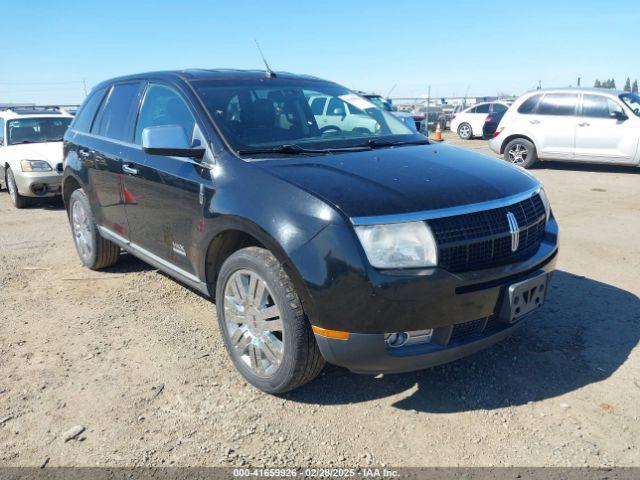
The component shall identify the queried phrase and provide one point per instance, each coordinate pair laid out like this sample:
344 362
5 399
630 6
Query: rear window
117 111
481 109
498 108
84 117
530 104
558 104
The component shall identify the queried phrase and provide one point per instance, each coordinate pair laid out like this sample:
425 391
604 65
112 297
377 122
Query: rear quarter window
84 118
530 104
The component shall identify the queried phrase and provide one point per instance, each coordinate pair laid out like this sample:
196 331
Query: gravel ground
125 367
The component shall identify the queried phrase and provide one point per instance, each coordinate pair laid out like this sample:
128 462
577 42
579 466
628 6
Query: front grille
474 241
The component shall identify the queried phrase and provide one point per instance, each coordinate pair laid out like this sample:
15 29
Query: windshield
36 129
269 114
632 100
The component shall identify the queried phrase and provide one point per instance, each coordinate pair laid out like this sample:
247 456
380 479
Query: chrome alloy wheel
465 131
253 322
518 153
11 186
82 230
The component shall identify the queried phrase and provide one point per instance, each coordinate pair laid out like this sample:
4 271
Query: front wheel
19 201
263 324
94 251
521 152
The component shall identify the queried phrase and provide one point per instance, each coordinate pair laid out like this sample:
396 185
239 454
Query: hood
49 151
403 179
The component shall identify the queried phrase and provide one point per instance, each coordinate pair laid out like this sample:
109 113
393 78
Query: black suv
332 234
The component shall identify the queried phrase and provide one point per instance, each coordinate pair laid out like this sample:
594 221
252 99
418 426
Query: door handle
534 122
584 124
129 170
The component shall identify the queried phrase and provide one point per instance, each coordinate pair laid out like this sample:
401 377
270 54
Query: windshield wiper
379 143
293 149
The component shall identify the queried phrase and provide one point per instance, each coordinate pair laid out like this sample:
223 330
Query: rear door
165 210
602 138
103 154
553 125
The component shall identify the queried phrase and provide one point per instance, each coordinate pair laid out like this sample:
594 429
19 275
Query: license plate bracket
524 297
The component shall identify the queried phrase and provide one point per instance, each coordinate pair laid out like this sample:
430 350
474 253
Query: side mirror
618 115
170 141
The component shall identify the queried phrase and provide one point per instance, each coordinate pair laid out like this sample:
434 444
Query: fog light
396 340
39 188
415 337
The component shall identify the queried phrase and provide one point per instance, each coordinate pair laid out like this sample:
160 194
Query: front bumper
38 184
468 304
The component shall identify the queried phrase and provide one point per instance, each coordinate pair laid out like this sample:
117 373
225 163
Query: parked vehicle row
358 243
469 122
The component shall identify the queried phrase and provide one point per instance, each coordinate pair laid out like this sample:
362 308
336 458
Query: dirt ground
136 360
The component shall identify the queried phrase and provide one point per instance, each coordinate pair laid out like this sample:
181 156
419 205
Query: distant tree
634 88
613 83
627 85
597 84
578 81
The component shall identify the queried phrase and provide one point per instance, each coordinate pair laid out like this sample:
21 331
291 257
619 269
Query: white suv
31 152
574 124
469 122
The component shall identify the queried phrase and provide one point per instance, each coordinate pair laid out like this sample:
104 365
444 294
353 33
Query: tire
19 201
95 252
274 357
521 152
465 131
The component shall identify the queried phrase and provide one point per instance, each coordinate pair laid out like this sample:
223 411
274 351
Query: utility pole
84 84
426 116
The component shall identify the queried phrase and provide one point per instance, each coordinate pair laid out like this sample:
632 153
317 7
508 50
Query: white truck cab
31 152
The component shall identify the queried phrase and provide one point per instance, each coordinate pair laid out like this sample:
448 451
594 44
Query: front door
601 137
164 208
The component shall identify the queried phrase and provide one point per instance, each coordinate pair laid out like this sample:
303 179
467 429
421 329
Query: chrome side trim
158 262
445 212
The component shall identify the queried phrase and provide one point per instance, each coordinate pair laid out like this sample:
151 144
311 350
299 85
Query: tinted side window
162 105
482 108
498 108
596 106
83 119
115 115
558 104
530 104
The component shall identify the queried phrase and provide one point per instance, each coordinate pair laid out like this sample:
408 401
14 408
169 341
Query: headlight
398 245
545 202
35 166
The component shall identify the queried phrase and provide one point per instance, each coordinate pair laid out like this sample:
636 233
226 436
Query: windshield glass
36 130
267 114
632 100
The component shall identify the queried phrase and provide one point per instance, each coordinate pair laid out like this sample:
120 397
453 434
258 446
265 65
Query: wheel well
513 137
221 248
70 185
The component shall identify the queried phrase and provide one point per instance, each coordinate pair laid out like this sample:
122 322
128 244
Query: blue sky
50 47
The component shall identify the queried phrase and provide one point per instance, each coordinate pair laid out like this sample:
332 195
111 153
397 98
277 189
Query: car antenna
270 73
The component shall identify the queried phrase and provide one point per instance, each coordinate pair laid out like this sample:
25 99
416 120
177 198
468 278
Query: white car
574 124
469 122
31 152
334 115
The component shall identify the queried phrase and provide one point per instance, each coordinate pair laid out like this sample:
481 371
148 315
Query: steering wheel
332 129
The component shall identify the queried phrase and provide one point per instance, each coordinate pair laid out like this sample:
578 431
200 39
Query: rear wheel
465 131
94 251
19 201
521 152
262 322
